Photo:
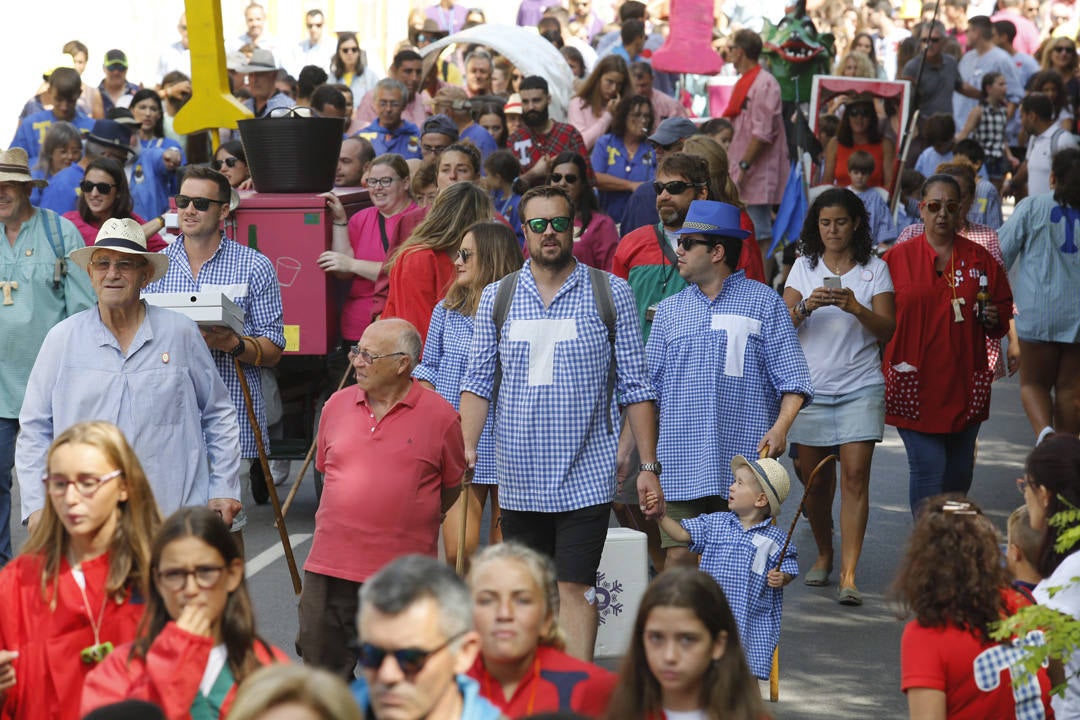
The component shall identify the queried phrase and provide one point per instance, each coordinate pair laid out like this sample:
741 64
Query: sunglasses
1064 49
410 660
103 188
350 50
687 243
675 187
934 206
314 25
860 112
201 204
670 147
928 41
570 178
558 224
227 162
463 256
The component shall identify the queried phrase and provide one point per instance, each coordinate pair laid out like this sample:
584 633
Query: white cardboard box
207 309
620 582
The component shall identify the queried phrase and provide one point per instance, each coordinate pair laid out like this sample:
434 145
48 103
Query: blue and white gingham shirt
248 278
553 451
720 389
446 355
740 560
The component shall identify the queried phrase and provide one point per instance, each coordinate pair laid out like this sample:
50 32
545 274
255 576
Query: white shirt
175 57
304 53
1041 149
841 352
1068 602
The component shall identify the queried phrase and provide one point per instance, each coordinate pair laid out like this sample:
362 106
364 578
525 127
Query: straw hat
15 167
771 475
123 236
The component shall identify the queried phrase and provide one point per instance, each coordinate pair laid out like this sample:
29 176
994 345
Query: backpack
605 305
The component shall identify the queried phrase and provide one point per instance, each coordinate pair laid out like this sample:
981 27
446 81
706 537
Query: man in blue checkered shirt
555 422
203 260
727 367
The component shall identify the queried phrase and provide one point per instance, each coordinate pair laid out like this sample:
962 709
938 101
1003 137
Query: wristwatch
239 349
653 467
743 165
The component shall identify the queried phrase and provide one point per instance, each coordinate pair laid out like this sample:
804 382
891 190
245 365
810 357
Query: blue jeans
9 428
939 462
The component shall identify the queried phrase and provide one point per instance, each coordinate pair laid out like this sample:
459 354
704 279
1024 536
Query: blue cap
710 217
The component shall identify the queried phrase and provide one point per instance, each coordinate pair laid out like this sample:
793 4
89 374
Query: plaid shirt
740 560
988 239
530 146
553 452
247 278
720 368
990 132
446 355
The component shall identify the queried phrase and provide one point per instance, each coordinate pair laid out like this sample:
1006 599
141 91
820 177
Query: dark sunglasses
934 206
558 224
410 660
1064 48
201 204
569 178
675 187
934 41
464 255
687 243
104 188
227 162
861 112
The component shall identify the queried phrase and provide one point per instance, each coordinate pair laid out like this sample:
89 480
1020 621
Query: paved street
836 662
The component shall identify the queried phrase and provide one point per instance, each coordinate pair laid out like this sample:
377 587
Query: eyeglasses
464 255
350 50
201 204
368 358
206 577
1021 485
383 182
570 178
935 206
558 224
85 483
687 243
122 266
103 188
410 660
389 103
670 147
675 187
860 112
227 162
433 149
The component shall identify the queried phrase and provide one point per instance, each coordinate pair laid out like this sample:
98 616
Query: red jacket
169 676
49 673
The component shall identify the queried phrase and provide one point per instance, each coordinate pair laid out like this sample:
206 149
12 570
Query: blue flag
792 212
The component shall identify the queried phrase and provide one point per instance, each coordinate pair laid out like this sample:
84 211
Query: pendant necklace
958 315
95 653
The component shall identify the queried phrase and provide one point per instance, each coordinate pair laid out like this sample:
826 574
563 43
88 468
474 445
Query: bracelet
802 310
258 350
161 219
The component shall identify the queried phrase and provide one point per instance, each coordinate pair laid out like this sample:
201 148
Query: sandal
849 596
817 577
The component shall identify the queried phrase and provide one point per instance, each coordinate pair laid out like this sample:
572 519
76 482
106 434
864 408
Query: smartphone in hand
832 283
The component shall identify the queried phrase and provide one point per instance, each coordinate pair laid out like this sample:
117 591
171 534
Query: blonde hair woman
296 692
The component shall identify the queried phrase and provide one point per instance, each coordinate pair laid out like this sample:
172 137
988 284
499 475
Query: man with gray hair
390 133
416 643
393 456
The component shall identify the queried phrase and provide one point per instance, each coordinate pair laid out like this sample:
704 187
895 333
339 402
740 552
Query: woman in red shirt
937 380
859 130
75 591
954 581
521 668
95 207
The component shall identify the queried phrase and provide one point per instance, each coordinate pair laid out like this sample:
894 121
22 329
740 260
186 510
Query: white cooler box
620 582
207 309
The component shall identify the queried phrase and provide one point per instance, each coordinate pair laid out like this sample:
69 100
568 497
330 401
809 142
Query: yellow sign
292 338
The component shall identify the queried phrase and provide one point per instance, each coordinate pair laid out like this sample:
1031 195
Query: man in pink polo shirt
393 457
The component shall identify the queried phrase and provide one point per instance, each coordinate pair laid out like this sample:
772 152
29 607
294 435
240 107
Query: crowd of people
553 320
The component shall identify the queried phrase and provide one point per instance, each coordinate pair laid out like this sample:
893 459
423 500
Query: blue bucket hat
710 217
112 134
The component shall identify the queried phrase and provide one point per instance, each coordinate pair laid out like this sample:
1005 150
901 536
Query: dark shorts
327 628
575 538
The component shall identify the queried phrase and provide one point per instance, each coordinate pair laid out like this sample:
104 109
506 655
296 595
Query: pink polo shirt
366 243
383 480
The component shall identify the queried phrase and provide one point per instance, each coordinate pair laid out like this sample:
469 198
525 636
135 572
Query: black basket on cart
291 153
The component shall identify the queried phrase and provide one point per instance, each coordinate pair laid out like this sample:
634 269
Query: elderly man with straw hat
144 368
37 290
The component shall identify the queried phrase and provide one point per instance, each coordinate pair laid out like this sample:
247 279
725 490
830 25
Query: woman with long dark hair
592 110
103 195
198 620
859 130
348 67
848 291
622 159
231 161
685 655
153 176
595 234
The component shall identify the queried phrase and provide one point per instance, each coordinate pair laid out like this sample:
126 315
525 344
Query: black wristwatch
743 165
653 467
239 349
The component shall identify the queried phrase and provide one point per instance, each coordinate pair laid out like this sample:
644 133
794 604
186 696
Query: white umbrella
530 53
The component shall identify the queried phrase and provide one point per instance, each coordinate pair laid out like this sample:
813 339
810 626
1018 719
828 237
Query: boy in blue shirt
740 549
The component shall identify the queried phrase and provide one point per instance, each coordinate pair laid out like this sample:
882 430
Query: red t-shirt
950 385
973 675
419 279
555 683
384 478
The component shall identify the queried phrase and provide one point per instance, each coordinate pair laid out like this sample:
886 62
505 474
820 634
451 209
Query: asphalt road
835 662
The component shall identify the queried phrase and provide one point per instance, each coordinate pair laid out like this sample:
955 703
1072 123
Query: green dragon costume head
794 52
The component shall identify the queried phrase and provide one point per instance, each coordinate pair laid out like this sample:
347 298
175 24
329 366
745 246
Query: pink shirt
665 106
590 125
383 480
596 245
1027 34
761 118
367 244
89 232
